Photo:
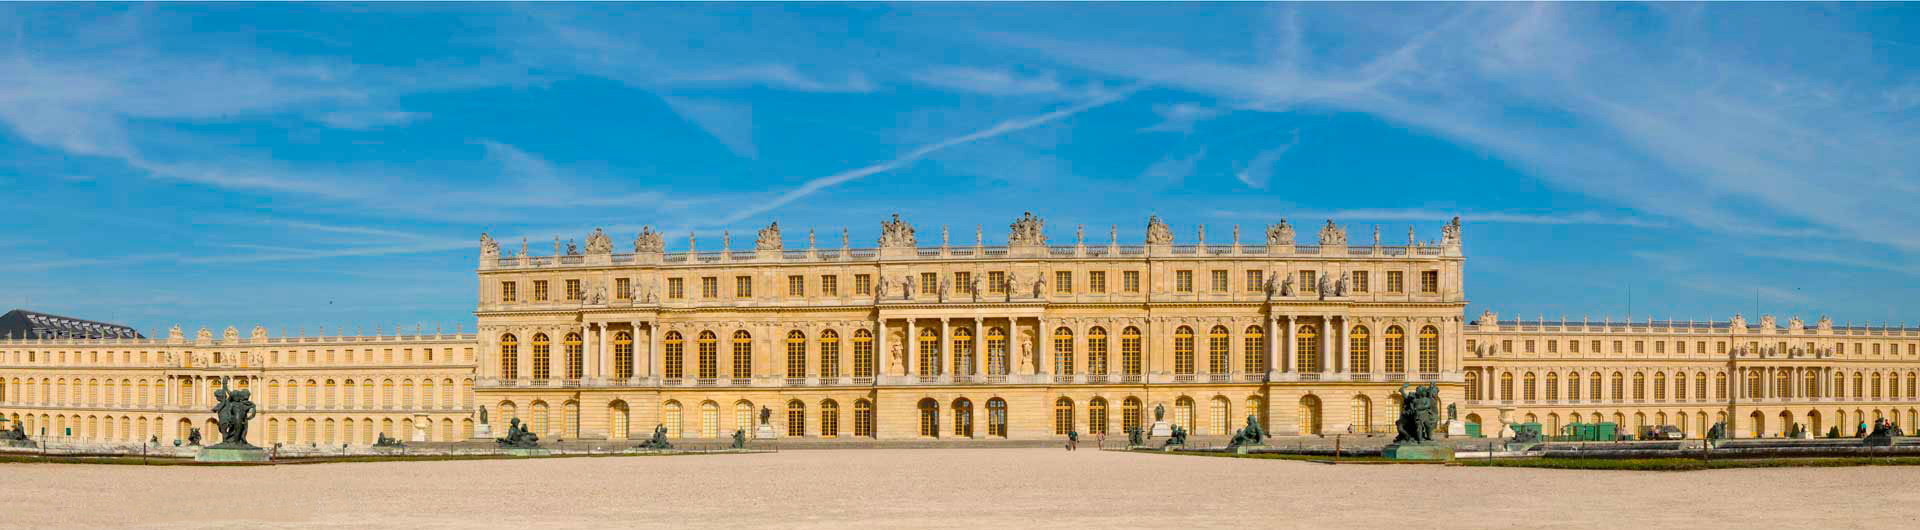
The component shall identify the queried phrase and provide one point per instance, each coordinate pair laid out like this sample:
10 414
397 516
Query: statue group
17 434
1419 414
1252 434
659 439
1178 439
739 439
518 436
232 410
387 441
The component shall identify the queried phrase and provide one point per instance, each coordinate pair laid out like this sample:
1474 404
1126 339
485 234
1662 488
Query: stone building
914 338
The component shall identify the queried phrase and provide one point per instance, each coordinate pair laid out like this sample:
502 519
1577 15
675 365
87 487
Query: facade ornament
845 242
1766 322
973 287
943 288
1280 235
649 241
556 245
1272 287
897 362
1322 285
906 287
881 290
1079 235
1157 232
896 233
1040 286
599 243
1826 323
488 247
1027 231
1236 234
943 236
1411 240
1376 236
726 241
1013 283
1286 287
1200 235
260 332
572 248
1113 235
768 238
1340 286
204 334
809 239
979 236
1450 234
231 334
1332 236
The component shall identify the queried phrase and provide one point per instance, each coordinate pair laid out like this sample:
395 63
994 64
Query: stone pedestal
528 451
1160 429
765 432
483 432
1420 452
1244 449
231 454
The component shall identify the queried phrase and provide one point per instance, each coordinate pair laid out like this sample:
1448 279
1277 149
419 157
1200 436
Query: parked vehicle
1661 432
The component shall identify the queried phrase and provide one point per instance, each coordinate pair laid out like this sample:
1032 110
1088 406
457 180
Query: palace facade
910 339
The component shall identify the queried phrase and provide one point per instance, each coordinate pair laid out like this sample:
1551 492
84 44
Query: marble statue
1157 232
896 233
1028 230
649 241
1280 235
1333 236
599 243
488 247
768 238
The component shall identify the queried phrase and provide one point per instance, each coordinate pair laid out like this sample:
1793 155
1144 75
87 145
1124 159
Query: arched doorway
963 418
1310 415
997 417
617 417
1362 414
1759 424
1815 427
929 418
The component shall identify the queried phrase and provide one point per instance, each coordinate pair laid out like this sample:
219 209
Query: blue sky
300 166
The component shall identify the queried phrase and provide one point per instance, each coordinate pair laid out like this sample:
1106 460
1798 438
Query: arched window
962 351
1309 415
830 354
829 419
929 352
623 355
1754 390
1396 344
709 346
742 354
674 356
1593 387
618 416
1218 343
1680 386
1527 387
1183 351
1659 386
1130 419
1183 414
1254 350
1553 387
542 357
862 356
1782 385
1062 351
929 418
997 417
576 357
1473 385
1506 386
670 417
796 354
796 418
1130 352
1700 386
1720 385
509 357
997 358
963 418
1619 386
710 420
1307 349
1097 351
541 426
1097 416
863 418
1639 386
1359 356
1362 411
742 414
1219 420
1062 416
1429 350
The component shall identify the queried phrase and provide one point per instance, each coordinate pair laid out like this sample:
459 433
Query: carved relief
598 243
1332 236
1157 232
1450 234
649 240
1028 230
896 233
768 238
488 247
1280 235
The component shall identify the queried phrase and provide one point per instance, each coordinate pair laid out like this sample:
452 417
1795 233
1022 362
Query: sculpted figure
1157 232
1286 288
765 413
1450 234
1340 286
649 241
906 291
898 361
1028 230
599 243
488 247
768 238
973 287
1280 235
1332 236
943 288
896 233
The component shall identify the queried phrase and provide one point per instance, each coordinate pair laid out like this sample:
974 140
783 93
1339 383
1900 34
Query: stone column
1044 363
1326 336
601 355
912 347
880 352
979 360
1287 345
1345 348
946 347
1273 345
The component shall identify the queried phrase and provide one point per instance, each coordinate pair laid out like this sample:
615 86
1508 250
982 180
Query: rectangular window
676 288
743 287
1573 346
1394 280
1553 346
963 282
622 288
1530 346
1506 346
1254 279
796 286
1097 282
1596 346
1721 346
1306 280
862 284
1359 281
1619 346
709 287
1063 282
829 285
1639 346
508 293
1183 281
1429 281
1659 346
1680 346
929 283
997 282
1219 281
1130 281
573 290
539 290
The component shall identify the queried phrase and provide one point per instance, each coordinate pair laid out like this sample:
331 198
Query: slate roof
24 324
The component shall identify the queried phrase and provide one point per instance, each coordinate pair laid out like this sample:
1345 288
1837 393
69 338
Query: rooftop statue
488 247
1450 234
649 240
1280 235
896 233
1157 232
1028 230
599 243
232 410
768 238
1332 236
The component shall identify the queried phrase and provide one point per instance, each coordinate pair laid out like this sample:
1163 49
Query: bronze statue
518 436
193 437
17 433
387 441
764 414
1135 437
1419 414
232 410
1252 434
739 439
1179 437
659 439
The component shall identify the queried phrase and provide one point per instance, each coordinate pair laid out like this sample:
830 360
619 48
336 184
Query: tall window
1660 385
863 418
962 351
670 417
509 357
1218 342
509 292
541 354
1097 282
1063 282
1062 416
1429 281
929 418
1593 386
1306 280
1183 351
1097 351
997 361
1395 283
829 419
1130 281
709 355
709 287
743 287
1062 351
1183 281
862 284
829 353
829 285
576 356
742 354
929 283
1254 280
539 290
1254 350
1429 349
963 282
1396 342
1639 386
796 418
1097 416
1359 284
676 288
1130 418
997 417
796 354
862 353
623 355
675 356
963 418
929 352
623 288
796 286
1130 351
1619 385
1307 344
1553 386
997 282
1359 358
1219 281
573 290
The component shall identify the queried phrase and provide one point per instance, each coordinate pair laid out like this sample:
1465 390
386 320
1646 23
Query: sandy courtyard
1005 488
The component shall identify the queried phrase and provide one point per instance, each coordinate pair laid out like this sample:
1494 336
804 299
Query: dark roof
24 324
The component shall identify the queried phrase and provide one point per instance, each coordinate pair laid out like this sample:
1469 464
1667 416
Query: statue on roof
896 233
599 243
768 238
1450 234
1280 235
1157 232
488 247
1332 236
1028 230
649 240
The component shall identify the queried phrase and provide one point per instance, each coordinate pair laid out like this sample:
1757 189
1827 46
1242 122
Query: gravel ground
941 488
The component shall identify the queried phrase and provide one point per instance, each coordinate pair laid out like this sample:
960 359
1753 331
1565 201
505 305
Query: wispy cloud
729 122
1259 170
1181 117
782 76
994 82
1567 218
1172 170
